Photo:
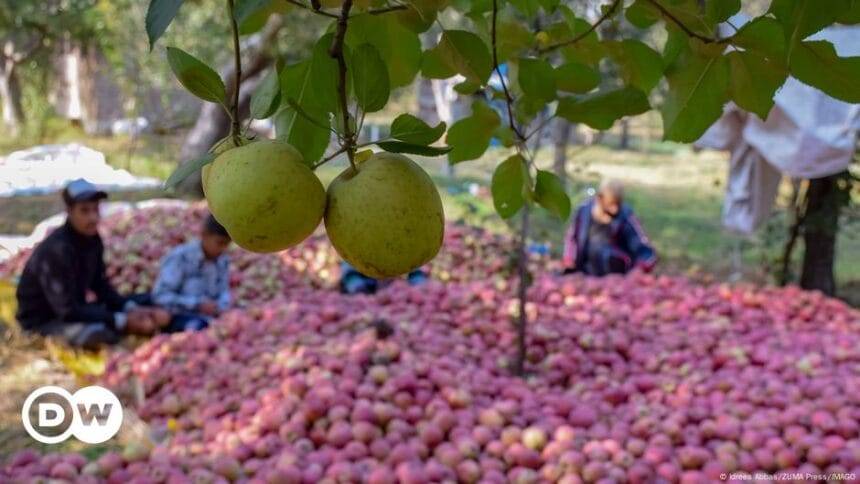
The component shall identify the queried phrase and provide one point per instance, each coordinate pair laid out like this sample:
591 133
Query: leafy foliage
593 72
370 78
409 129
158 17
200 79
602 109
508 186
266 98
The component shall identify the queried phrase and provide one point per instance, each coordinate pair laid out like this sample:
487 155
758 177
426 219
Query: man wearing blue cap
64 290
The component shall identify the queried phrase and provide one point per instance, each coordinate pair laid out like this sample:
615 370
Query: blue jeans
187 321
181 320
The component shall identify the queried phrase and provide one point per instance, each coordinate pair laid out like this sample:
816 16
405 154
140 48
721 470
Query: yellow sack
85 365
8 305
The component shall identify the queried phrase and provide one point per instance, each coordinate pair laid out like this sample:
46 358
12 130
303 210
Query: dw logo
93 414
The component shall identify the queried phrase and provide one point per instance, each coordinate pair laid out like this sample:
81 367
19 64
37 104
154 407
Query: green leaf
802 18
718 11
186 169
159 14
305 135
698 89
550 194
399 46
764 36
537 79
200 79
817 64
252 15
851 15
420 14
244 9
529 8
267 96
601 109
549 6
689 13
754 81
526 108
323 75
512 38
575 77
587 50
410 129
467 88
676 43
641 66
400 147
641 14
469 137
458 51
369 78
505 135
509 182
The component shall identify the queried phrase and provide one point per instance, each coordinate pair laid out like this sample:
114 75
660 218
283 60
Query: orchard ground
676 192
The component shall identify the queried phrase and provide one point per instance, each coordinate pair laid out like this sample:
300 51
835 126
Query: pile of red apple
135 241
640 379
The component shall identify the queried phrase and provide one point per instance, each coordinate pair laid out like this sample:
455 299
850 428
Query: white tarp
807 134
48 168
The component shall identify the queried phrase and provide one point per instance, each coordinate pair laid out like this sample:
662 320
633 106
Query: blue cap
81 190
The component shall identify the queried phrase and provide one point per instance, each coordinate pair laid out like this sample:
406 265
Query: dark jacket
628 245
57 277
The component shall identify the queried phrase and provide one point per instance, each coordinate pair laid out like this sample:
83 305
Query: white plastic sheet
48 168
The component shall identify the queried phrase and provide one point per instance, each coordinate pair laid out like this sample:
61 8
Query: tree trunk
797 207
10 97
560 140
821 224
212 122
624 139
212 125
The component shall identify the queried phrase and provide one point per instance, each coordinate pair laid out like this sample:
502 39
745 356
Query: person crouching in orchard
64 290
194 281
605 237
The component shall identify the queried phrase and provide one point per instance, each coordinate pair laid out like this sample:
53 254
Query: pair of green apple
384 216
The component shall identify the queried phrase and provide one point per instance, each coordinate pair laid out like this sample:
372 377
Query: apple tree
529 61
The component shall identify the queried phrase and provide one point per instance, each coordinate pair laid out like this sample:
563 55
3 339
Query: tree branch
237 57
313 9
522 250
336 52
608 13
316 8
301 112
541 125
687 30
328 158
382 10
509 100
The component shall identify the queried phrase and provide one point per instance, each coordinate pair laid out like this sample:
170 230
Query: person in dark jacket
64 291
605 237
